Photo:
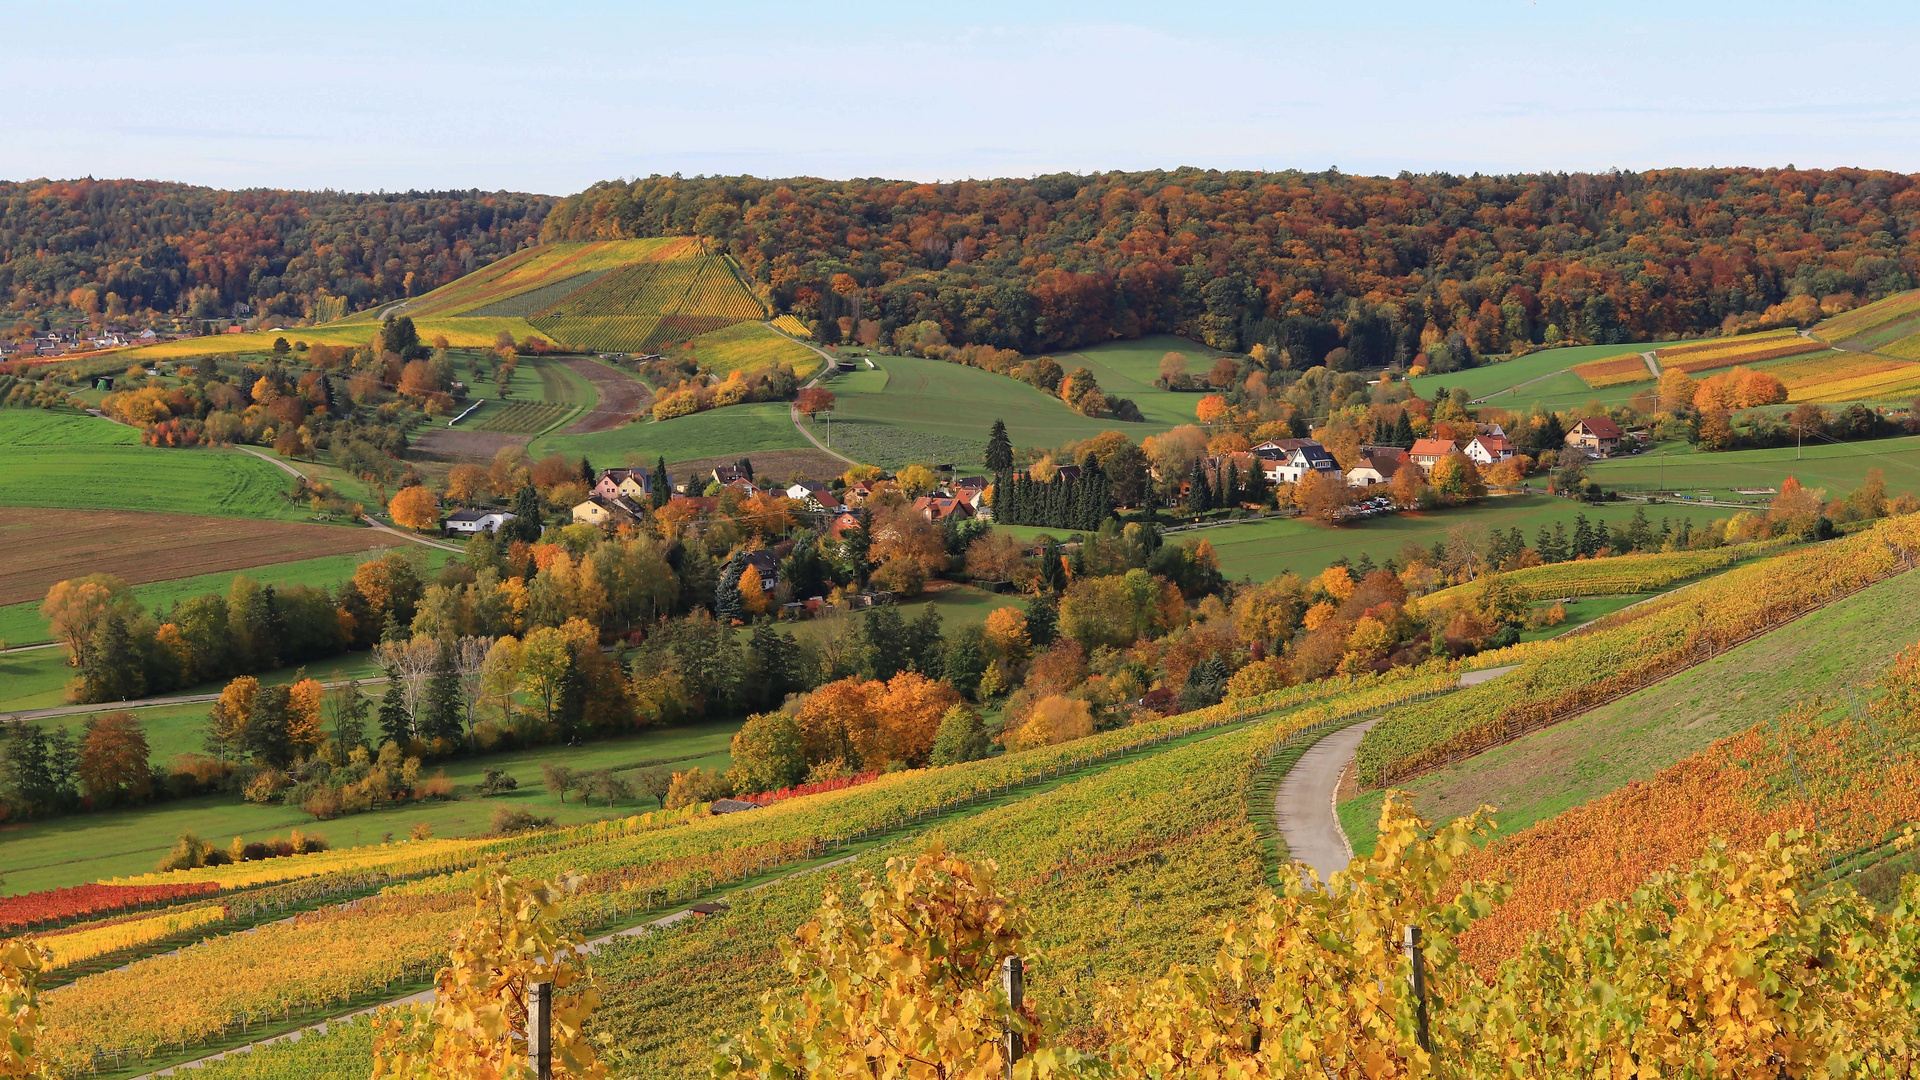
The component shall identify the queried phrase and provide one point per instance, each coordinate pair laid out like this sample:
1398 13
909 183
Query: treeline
1305 264
132 245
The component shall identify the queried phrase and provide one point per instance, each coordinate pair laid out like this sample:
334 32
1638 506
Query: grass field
37 679
21 624
1833 653
88 847
1128 369
935 412
749 346
1490 379
736 430
958 605
1268 548
79 462
1837 467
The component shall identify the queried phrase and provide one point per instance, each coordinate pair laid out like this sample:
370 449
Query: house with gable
1427 453
1285 461
1597 435
1489 449
635 484
1377 465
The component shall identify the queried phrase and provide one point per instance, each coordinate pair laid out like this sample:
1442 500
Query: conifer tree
395 724
662 483
1199 493
728 605
444 708
999 450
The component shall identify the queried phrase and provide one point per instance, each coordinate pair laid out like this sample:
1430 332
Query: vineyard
790 325
538 268
1616 372
345 954
521 417
750 346
1840 376
1852 773
1727 352
1619 575
1562 677
1878 323
643 306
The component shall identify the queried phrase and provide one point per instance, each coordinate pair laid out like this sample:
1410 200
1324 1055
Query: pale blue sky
553 96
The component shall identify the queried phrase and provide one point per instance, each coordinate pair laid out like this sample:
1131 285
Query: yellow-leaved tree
21 962
907 988
476 1028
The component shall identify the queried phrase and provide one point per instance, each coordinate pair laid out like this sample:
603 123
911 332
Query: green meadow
738 429
1491 379
1837 467
88 847
1128 369
79 462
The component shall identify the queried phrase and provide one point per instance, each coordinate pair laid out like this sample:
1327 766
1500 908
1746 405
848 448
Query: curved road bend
793 411
1304 805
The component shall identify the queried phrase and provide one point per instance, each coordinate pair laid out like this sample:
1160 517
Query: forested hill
180 248
1303 261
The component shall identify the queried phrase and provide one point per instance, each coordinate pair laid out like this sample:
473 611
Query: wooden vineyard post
1417 976
1014 979
540 1029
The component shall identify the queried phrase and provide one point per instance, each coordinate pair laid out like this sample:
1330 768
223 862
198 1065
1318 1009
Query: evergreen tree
728 605
444 708
27 771
1199 493
1043 621
351 710
773 660
923 643
999 450
964 659
527 517
570 703
395 724
883 640
1602 543
1230 493
1053 574
110 669
1364 567
1402 432
1583 539
1259 488
662 483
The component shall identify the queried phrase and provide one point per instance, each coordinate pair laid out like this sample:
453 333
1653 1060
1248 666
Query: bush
495 781
508 820
697 785
437 786
188 852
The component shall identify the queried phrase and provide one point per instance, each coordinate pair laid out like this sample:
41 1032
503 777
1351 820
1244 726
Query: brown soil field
458 445
621 396
41 547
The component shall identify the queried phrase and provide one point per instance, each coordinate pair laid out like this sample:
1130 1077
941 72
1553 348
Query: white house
477 521
816 496
1489 449
1288 463
1377 466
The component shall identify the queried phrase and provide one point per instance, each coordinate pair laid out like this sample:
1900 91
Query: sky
555 96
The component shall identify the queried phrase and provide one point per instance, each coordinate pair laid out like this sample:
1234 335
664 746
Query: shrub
697 785
495 781
437 786
508 820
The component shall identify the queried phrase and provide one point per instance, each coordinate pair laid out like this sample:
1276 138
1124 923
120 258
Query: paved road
369 519
1304 803
150 703
1653 363
1475 678
589 947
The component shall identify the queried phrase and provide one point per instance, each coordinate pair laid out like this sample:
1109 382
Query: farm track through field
794 410
621 396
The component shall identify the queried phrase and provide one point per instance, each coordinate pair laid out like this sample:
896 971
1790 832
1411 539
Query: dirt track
621 396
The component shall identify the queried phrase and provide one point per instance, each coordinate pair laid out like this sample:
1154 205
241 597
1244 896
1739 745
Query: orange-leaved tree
476 1028
415 508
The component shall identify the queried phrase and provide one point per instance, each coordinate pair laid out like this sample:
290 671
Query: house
1597 435
604 512
1286 464
842 524
1427 453
635 484
148 335
815 496
1376 466
469 522
741 486
768 564
858 493
1489 449
727 474
938 509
